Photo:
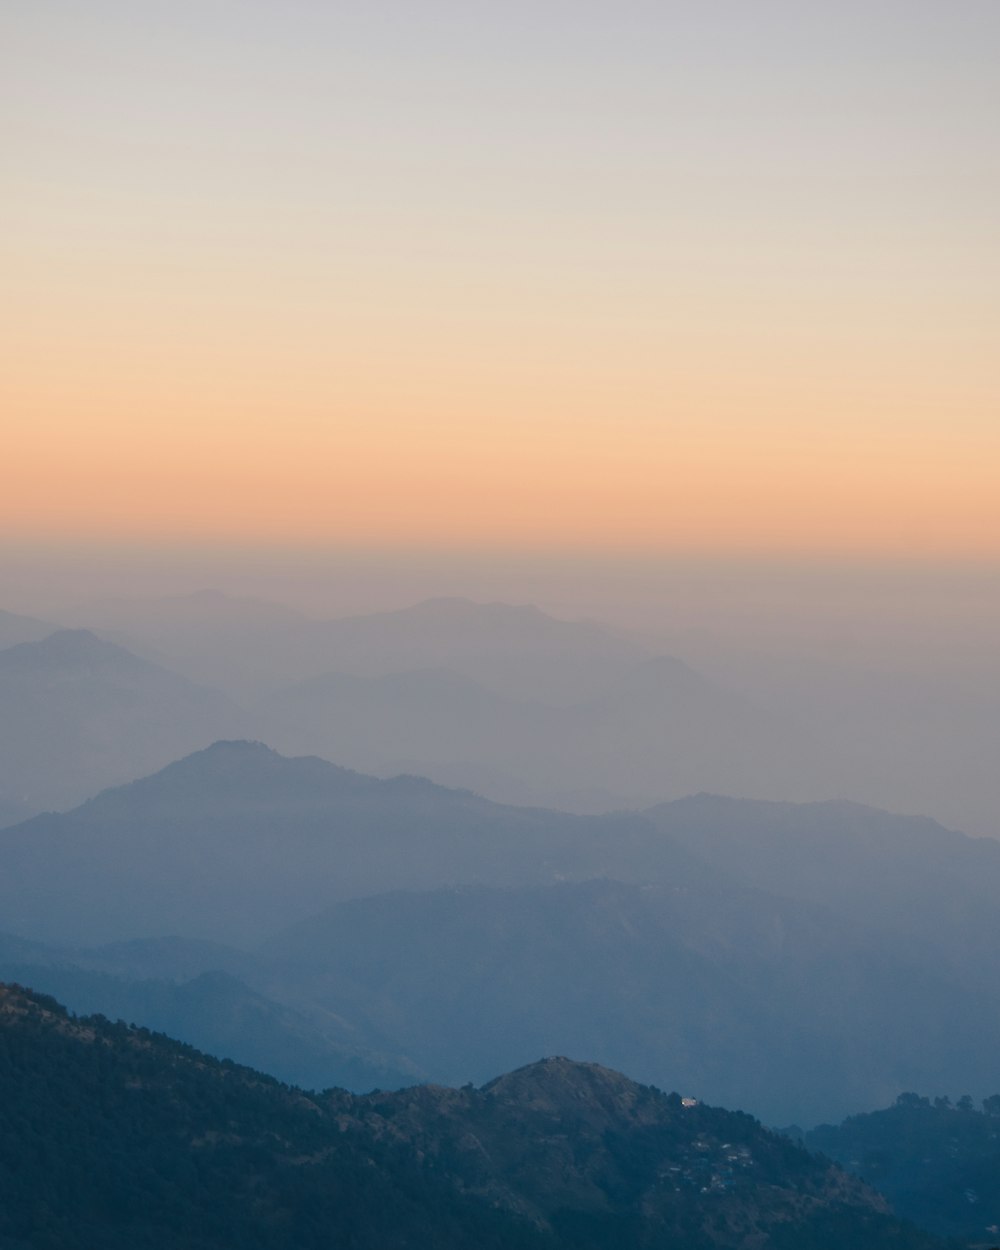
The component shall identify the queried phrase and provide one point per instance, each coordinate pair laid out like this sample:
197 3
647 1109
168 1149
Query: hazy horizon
687 280
778 595
875 681
678 317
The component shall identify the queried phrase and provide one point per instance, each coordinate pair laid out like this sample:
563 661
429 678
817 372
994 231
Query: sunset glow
346 279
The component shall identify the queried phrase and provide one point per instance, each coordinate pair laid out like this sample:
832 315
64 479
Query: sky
706 279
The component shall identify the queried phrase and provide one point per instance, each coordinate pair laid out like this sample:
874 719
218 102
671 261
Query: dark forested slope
938 1161
113 1136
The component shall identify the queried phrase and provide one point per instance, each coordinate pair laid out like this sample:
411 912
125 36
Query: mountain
507 695
938 1162
758 1002
800 961
657 729
910 730
13 811
503 787
113 1136
935 888
244 644
515 650
784 725
664 728
504 697
231 642
81 713
435 713
15 628
223 1016
198 992
235 842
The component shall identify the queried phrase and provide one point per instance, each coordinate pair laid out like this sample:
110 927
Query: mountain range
518 705
252 645
507 700
235 842
800 961
81 713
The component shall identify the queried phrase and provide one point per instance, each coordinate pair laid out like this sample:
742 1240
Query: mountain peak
235 774
557 1085
236 748
229 758
66 648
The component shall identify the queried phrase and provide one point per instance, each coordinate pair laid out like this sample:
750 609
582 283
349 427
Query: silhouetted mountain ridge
73 649
235 771
908 874
81 713
148 1144
719 939
779 726
758 1001
275 838
16 628
219 1013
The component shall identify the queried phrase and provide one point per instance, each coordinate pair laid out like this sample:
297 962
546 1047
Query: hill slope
116 1137
220 1014
757 1001
904 874
939 1162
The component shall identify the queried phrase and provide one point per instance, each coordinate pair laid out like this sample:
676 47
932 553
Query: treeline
938 1161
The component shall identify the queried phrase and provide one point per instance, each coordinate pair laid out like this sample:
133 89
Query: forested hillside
115 1137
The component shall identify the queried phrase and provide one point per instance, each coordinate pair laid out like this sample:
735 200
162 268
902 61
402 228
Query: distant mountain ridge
641 730
515 649
691 938
219 1013
15 628
273 839
636 727
759 1001
72 649
907 874
81 713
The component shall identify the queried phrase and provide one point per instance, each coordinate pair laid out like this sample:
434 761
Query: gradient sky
712 276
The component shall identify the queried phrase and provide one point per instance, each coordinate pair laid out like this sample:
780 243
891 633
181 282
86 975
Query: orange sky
289 282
